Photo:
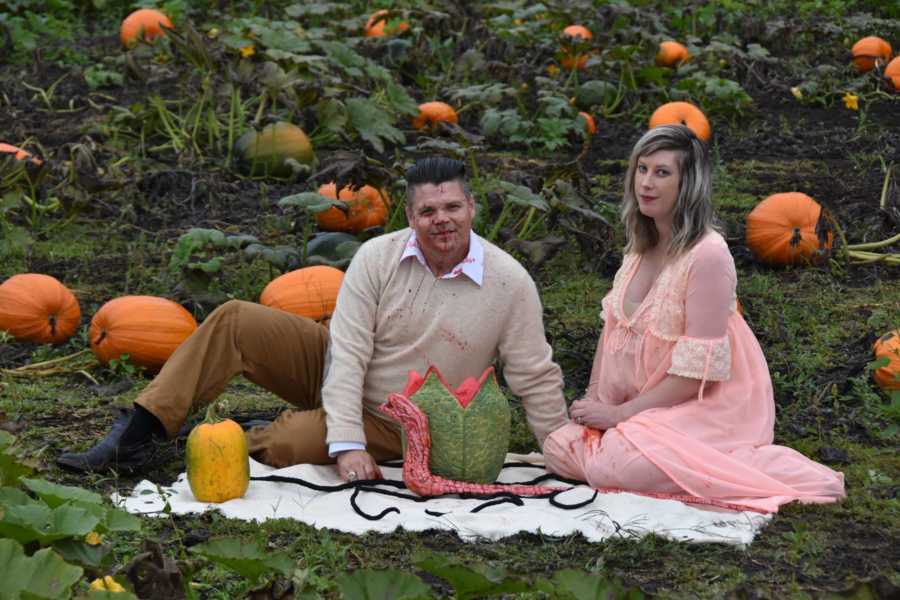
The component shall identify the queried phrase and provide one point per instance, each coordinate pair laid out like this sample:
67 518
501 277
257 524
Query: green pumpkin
469 427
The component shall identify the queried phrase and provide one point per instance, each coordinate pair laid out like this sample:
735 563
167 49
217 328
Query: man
433 294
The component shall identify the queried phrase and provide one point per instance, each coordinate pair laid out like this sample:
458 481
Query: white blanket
623 514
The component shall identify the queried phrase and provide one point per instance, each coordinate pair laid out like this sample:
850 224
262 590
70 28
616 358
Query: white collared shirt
472 266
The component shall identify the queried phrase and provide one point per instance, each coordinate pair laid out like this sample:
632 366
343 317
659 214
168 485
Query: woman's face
656 182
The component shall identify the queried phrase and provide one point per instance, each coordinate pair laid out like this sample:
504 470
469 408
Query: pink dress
716 446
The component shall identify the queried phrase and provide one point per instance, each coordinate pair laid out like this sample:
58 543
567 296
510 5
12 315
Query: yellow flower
107 584
851 101
797 92
552 70
93 539
248 51
213 33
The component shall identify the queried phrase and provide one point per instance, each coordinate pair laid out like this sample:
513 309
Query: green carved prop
469 427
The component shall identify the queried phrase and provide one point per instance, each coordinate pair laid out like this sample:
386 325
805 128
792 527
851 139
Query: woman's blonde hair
693 214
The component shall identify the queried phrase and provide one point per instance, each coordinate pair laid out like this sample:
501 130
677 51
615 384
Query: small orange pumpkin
870 51
146 328
671 54
577 31
368 207
146 23
892 73
375 26
782 229
38 308
20 154
682 113
888 345
570 61
590 126
309 292
430 113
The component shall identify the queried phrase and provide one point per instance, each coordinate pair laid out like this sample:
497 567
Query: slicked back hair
435 170
693 214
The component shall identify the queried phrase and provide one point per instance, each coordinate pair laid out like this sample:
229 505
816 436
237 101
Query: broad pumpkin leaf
35 521
6 439
54 494
469 582
79 552
333 249
572 583
331 114
315 9
521 195
400 101
11 470
312 202
283 258
373 124
391 584
250 558
42 575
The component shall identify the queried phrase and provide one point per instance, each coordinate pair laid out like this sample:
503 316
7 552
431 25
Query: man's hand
355 465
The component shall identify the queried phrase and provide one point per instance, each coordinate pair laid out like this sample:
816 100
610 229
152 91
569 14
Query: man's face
441 215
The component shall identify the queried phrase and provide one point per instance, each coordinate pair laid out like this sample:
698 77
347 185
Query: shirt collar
472 266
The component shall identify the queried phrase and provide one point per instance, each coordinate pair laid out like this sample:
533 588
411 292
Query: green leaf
213 265
35 521
522 196
344 57
475 582
373 124
312 202
333 249
313 9
283 258
84 554
55 494
331 114
251 559
400 101
6 439
107 595
97 77
119 520
579 585
368 584
42 575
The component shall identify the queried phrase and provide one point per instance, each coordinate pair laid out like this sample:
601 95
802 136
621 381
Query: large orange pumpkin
368 207
143 23
309 292
375 26
671 54
682 113
430 113
782 229
38 308
146 328
888 345
892 73
19 153
870 51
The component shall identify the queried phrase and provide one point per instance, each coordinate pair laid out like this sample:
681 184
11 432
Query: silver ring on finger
352 476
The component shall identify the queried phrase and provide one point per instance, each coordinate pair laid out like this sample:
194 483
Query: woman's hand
597 415
356 465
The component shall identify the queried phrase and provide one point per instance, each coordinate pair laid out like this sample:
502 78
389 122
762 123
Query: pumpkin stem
795 237
52 319
101 338
212 412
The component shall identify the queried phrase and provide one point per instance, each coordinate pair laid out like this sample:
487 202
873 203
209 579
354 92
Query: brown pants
280 351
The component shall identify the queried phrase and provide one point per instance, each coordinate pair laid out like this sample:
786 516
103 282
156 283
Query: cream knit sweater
392 317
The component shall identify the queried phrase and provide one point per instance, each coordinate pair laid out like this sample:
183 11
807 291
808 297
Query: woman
680 399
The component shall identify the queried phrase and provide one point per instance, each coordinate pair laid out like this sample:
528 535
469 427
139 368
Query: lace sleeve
707 359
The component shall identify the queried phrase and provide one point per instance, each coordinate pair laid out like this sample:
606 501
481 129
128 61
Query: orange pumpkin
682 113
143 23
870 51
146 328
20 154
368 207
671 54
892 73
570 61
590 126
375 26
430 113
577 31
38 308
888 345
309 292
782 229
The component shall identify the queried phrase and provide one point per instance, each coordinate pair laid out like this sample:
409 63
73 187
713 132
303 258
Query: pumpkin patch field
159 158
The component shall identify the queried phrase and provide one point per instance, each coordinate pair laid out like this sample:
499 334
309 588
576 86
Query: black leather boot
130 445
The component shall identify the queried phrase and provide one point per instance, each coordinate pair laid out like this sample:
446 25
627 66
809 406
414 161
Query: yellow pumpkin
218 464
265 152
309 292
